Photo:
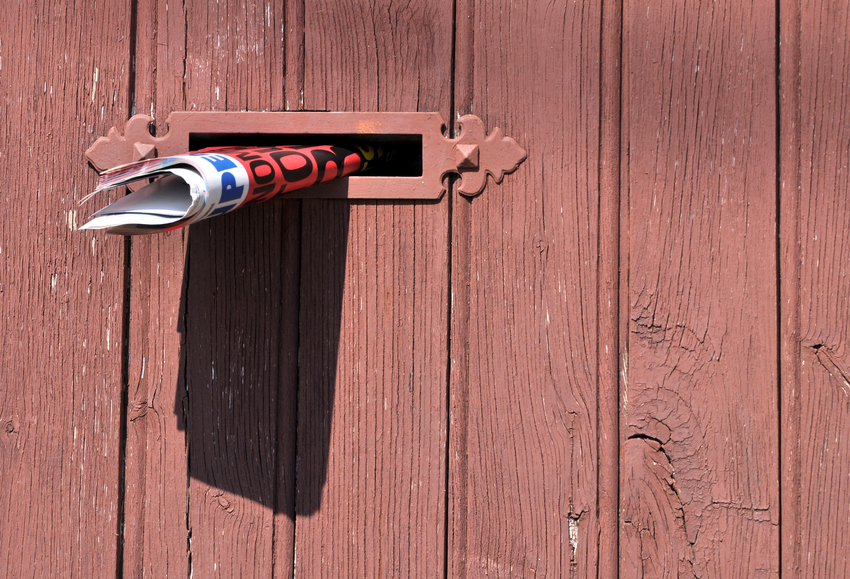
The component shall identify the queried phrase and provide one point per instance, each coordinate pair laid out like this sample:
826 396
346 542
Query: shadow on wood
260 341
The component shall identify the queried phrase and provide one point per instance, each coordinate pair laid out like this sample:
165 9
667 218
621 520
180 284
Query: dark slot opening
404 152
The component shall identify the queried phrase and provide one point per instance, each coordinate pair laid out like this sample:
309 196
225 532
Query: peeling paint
94 84
624 373
573 536
830 363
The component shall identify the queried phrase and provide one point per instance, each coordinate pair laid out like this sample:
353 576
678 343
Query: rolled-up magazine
187 188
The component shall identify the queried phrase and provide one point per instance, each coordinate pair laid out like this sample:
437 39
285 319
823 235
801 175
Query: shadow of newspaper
261 309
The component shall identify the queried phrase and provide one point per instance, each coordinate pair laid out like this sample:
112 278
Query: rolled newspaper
188 188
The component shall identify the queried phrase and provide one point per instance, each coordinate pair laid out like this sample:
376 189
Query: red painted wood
524 376
241 319
156 534
700 492
624 263
608 300
287 414
294 40
327 325
372 415
824 234
159 531
789 285
64 72
457 543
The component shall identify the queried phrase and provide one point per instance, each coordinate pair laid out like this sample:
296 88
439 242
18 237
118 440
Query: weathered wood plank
789 285
287 394
156 534
625 242
523 452
236 359
158 527
700 487
241 318
608 283
824 233
64 73
372 416
461 257
287 415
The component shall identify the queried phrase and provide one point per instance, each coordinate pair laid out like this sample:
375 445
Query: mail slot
404 151
422 153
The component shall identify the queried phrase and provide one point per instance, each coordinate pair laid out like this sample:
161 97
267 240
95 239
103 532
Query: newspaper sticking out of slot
187 188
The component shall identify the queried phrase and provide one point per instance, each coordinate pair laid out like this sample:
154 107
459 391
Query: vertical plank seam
624 253
295 24
450 303
296 419
185 409
125 324
778 72
275 449
608 258
123 418
297 347
185 314
185 53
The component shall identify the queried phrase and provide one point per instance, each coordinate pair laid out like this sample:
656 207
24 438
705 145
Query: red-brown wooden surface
156 534
700 489
820 461
239 341
629 359
372 415
525 317
63 80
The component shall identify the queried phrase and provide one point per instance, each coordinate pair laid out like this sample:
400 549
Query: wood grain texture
608 291
63 79
158 527
372 416
236 358
287 414
294 387
700 487
824 456
457 543
625 268
789 285
241 319
523 453
156 533
294 41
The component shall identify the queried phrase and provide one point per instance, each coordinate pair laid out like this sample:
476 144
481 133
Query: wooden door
628 359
